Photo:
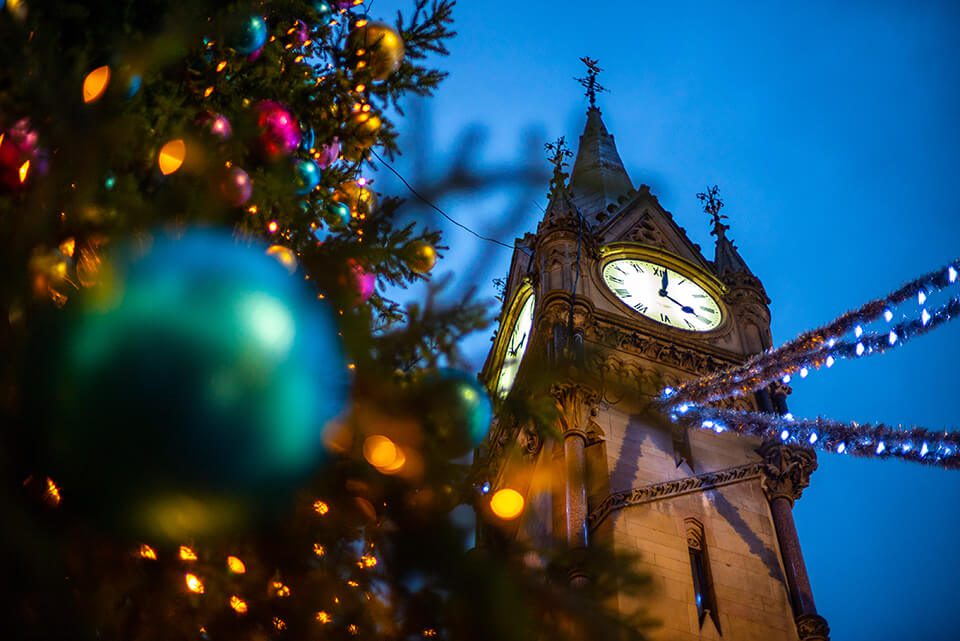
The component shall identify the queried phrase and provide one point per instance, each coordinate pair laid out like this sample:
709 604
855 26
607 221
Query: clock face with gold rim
662 294
517 342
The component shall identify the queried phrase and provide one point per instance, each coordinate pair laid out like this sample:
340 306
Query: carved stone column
574 404
786 472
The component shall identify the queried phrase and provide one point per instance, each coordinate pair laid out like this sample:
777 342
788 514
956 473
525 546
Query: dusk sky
832 130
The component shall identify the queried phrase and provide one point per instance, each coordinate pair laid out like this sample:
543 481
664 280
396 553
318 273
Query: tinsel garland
857 439
814 348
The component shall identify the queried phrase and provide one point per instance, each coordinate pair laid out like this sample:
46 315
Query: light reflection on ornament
95 84
507 504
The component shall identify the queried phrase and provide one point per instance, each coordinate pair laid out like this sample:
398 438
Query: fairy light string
690 402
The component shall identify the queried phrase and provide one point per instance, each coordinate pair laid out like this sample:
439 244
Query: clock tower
613 296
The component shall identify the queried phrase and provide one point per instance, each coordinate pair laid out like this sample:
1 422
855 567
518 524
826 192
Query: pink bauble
236 187
366 282
216 124
302 33
279 130
327 154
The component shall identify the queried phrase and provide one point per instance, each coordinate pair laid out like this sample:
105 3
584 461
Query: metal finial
557 155
589 82
712 204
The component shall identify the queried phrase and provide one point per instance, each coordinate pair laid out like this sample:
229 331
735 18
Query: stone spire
598 178
727 260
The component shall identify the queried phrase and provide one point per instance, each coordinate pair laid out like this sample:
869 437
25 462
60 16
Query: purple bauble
216 124
301 33
327 154
342 4
279 130
236 187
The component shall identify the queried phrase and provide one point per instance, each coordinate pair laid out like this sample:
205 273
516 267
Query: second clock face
662 294
516 345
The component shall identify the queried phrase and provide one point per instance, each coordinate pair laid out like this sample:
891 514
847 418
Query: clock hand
663 283
684 308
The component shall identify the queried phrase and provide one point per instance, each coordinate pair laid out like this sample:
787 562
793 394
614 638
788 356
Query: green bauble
186 394
458 411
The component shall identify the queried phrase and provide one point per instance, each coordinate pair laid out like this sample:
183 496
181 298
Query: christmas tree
217 424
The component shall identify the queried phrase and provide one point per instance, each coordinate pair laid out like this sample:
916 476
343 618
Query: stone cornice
669 489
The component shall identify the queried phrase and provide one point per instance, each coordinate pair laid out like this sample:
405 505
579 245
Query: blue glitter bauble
248 34
307 176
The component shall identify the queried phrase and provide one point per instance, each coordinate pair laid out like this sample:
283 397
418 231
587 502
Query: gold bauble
362 133
379 47
421 256
361 200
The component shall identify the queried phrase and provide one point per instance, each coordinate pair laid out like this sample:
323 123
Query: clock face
516 345
662 295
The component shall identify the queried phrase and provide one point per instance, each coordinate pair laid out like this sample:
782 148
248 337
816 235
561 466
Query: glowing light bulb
485 488
319 550
784 435
830 361
892 337
171 156
803 372
320 507
194 584
887 315
239 605
667 392
924 317
841 448
860 349
813 438
683 409
186 554
921 297
951 274
881 447
95 84
923 450
323 617
379 451
147 552
22 172
507 504
786 379
235 565
858 331
831 342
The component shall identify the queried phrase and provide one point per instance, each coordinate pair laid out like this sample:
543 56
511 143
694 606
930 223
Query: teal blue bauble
306 176
458 411
247 34
341 211
185 395
322 8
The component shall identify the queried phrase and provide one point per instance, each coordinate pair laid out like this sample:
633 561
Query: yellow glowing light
24 168
68 246
324 617
96 83
284 255
360 88
368 561
194 584
239 605
279 590
272 227
235 565
279 623
147 552
379 451
429 633
319 550
52 493
320 507
361 22
186 554
507 504
221 65
353 584
207 92
171 156
353 629
397 464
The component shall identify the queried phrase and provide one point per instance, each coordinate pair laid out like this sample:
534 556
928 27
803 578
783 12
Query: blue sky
832 130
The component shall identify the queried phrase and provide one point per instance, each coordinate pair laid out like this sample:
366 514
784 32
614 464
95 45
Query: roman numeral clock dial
662 295
517 341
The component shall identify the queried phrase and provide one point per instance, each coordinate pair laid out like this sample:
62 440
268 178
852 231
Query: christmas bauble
362 133
458 411
186 394
306 176
361 200
421 256
216 124
364 282
236 187
279 131
327 154
247 34
341 211
379 46
322 8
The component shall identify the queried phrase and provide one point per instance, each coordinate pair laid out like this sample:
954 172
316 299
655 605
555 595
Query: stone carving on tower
612 301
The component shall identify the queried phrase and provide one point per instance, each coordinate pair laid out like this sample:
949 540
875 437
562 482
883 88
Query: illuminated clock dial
517 343
662 295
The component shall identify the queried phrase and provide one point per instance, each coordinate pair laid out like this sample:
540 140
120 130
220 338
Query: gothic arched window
703 590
